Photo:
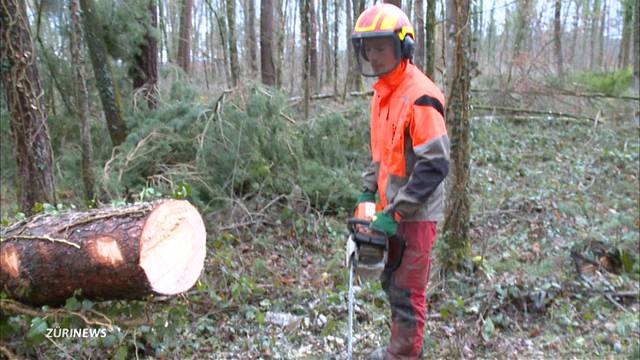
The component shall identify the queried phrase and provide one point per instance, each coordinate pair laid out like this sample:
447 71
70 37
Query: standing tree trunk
145 73
184 40
305 28
595 33
326 52
603 21
456 223
557 40
282 19
82 101
420 40
231 39
313 44
351 63
636 41
574 39
522 33
266 51
430 39
358 8
625 42
101 61
21 84
397 3
336 26
251 37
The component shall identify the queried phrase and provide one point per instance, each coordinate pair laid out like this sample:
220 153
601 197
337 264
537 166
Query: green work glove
366 196
384 223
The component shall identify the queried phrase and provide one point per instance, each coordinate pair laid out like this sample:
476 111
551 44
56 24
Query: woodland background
253 111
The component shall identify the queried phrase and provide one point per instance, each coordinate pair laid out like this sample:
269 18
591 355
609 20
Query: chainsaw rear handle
378 240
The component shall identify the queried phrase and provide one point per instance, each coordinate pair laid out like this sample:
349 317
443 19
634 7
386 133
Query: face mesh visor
377 55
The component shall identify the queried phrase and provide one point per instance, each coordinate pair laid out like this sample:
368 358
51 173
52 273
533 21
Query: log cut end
173 247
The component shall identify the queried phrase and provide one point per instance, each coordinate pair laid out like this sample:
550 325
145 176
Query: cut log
115 253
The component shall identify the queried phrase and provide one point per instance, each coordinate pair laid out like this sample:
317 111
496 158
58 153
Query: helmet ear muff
407 47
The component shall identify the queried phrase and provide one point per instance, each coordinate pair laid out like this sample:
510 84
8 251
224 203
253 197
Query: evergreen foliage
242 150
613 83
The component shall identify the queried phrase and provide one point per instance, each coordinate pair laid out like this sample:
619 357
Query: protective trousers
406 288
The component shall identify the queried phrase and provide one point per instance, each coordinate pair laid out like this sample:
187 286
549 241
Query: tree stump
114 253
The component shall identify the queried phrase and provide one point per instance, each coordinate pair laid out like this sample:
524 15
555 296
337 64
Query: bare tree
420 40
625 43
21 83
326 52
101 62
313 45
636 51
184 42
231 39
557 40
82 101
430 39
305 29
457 216
251 36
266 51
336 26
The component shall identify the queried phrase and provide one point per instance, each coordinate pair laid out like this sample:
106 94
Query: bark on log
115 253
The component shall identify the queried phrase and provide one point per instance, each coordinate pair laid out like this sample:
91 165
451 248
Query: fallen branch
528 111
7 353
15 307
42 237
558 93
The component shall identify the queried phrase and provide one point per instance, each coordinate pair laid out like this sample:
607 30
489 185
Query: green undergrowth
555 238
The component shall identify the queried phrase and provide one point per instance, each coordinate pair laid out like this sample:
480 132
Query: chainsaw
367 255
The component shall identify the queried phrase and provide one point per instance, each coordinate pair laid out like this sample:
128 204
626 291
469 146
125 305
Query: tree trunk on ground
101 61
21 83
305 28
145 74
231 38
420 40
82 101
313 45
116 253
557 40
266 52
251 37
430 39
457 216
184 40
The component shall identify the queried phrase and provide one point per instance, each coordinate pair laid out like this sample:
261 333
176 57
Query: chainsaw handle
352 222
398 262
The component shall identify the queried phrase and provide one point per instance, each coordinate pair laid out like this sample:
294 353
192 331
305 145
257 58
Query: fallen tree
113 253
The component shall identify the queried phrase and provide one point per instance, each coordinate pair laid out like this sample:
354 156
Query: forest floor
555 232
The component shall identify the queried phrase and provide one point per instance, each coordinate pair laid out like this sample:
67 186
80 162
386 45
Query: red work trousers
406 288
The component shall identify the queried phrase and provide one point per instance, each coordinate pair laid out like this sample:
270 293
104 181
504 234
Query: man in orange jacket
410 159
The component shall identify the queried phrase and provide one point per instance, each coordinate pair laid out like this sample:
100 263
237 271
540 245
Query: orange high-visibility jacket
409 145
